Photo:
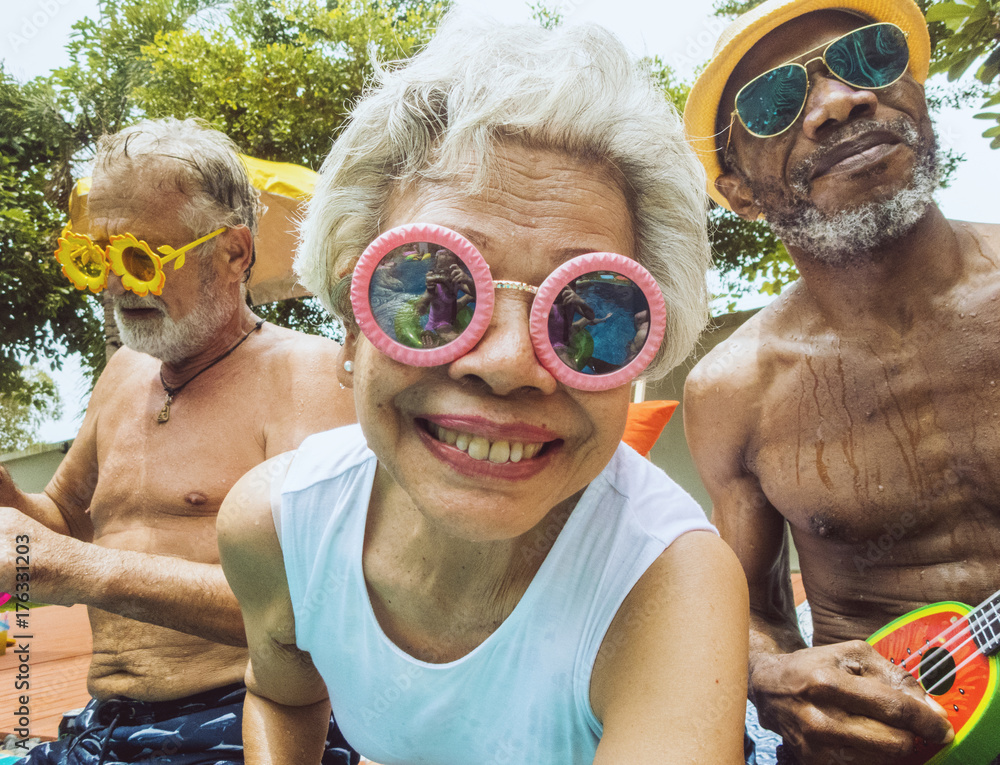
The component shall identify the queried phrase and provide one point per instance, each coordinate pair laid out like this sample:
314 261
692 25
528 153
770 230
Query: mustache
900 127
131 300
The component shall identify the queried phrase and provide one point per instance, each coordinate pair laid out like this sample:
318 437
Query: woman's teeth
480 448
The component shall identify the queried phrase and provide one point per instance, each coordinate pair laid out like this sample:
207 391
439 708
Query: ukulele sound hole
937 671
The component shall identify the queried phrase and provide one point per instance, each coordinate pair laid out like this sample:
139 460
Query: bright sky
681 32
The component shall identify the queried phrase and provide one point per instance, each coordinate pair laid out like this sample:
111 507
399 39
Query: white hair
206 166
478 84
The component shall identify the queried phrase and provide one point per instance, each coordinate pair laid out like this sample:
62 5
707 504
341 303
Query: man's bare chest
853 434
171 475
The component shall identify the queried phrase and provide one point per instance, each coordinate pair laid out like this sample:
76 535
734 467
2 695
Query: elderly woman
480 572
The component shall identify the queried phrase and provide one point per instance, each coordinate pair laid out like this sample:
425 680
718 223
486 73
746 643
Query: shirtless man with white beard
863 404
202 392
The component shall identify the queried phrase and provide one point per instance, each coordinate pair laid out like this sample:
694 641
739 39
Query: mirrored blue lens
870 57
770 103
599 322
422 295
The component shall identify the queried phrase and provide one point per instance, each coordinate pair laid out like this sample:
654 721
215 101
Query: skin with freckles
127 524
448 516
860 408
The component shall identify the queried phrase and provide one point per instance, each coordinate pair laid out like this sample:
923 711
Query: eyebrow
482 241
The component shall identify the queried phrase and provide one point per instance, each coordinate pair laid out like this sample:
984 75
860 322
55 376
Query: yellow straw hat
739 37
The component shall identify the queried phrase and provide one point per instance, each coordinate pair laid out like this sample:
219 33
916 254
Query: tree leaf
945 11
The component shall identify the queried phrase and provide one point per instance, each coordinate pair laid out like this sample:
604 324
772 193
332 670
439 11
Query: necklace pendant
164 414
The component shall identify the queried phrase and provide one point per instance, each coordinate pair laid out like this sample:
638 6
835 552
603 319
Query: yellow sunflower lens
138 263
89 260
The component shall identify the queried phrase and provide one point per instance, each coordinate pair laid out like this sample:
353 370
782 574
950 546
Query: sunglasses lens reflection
138 263
599 322
770 103
871 57
89 260
422 295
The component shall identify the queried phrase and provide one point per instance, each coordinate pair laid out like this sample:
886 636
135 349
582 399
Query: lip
465 465
855 155
491 430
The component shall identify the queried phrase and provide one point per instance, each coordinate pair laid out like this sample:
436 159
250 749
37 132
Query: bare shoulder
731 364
985 240
701 562
298 387
991 230
255 569
125 368
729 376
689 700
740 368
292 350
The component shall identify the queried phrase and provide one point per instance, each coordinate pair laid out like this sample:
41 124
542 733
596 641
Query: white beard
854 236
167 339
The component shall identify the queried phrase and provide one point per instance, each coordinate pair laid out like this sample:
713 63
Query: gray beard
171 340
854 237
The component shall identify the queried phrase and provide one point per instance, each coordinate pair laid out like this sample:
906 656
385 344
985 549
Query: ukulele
951 649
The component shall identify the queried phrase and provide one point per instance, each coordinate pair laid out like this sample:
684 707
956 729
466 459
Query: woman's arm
287 710
669 684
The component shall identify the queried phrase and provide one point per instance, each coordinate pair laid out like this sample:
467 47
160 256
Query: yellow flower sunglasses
141 270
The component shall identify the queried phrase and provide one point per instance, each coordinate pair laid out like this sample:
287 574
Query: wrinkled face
487 445
849 148
178 322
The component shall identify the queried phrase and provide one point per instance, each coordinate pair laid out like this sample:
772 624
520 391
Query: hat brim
702 108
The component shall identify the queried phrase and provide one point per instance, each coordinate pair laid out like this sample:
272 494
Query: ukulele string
989 607
948 654
973 655
960 624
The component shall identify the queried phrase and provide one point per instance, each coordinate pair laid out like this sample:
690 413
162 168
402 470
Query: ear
237 250
345 377
741 199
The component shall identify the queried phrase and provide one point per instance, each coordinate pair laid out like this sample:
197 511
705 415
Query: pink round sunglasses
423 295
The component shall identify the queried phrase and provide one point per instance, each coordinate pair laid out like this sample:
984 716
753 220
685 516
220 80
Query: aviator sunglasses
869 58
140 268
423 295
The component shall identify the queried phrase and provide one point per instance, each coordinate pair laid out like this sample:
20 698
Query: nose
832 102
114 285
504 358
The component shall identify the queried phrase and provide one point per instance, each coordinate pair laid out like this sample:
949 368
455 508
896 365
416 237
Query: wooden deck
59 651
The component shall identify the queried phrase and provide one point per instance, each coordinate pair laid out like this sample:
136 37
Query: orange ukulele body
946 646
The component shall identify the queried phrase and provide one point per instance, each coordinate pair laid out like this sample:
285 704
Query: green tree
23 412
278 76
972 36
41 313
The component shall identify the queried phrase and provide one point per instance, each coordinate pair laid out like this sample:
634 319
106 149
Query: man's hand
845 703
46 549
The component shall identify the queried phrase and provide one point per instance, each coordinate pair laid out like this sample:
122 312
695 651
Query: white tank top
523 695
